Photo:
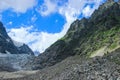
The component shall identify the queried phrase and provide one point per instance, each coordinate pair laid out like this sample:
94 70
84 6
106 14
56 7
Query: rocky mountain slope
98 35
13 55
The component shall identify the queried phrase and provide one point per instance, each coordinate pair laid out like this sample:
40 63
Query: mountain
90 50
13 55
95 36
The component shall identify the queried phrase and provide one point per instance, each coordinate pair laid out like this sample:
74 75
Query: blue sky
39 23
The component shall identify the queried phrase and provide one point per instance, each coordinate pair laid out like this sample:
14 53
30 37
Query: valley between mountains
90 50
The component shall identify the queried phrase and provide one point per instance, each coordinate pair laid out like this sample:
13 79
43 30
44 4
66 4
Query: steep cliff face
85 37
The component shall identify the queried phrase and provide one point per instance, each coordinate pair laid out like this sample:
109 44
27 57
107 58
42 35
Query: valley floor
73 68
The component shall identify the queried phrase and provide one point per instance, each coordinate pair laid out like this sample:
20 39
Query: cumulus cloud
87 11
72 9
51 6
69 7
17 5
34 18
47 8
22 34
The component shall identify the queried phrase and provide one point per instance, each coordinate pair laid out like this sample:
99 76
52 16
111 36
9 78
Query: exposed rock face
85 37
25 49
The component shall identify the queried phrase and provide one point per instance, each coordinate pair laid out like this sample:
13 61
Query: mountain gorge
90 50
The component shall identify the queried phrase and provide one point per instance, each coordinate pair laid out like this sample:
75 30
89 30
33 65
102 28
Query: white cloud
47 8
73 7
17 5
10 23
22 34
34 18
87 11
70 10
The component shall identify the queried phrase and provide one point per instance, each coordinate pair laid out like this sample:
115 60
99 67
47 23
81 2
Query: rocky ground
76 68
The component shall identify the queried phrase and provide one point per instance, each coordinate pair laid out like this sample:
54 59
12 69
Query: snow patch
8 40
7 52
17 44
